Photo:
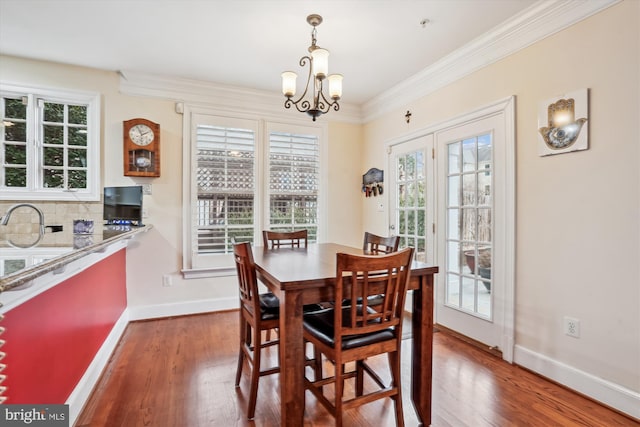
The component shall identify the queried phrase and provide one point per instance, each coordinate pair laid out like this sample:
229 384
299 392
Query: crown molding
541 20
220 97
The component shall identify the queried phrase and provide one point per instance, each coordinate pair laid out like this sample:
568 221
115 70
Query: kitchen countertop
52 258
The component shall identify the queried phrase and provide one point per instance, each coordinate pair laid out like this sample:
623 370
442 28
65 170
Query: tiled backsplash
22 227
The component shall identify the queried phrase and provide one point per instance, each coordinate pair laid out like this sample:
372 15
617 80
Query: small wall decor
141 147
562 123
372 182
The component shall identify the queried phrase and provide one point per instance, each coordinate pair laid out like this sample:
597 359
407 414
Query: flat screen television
123 205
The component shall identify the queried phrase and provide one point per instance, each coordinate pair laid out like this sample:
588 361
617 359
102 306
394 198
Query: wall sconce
558 129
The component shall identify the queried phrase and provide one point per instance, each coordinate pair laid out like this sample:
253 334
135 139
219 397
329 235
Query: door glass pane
411 194
420 166
410 206
454 157
453 226
453 185
470 225
453 256
469 190
452 297
468 294
469 158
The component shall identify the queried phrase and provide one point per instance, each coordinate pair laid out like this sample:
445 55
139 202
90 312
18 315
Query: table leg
292 359
422 349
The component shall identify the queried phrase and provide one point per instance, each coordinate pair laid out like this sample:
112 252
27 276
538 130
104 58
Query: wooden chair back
377 245
247 280
385 275
278 239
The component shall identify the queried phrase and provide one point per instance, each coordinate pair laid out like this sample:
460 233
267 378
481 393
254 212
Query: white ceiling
375 44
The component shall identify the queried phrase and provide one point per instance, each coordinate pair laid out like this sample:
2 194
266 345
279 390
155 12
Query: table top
310 267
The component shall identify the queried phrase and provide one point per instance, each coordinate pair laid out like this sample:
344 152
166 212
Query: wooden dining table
299 276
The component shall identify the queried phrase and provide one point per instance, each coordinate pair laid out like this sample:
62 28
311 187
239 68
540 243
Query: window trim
34 168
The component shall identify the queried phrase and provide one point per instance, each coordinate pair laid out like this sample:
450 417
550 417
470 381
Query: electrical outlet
146 189
166 280
572 327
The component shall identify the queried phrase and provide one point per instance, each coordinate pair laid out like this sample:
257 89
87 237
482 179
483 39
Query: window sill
199 273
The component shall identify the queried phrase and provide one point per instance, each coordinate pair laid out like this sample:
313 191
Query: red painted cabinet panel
51 339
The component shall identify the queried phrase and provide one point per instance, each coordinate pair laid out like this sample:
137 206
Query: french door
411 196
461 218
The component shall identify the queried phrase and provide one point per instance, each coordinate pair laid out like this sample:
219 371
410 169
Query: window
248 175
49 145
226 187
294 172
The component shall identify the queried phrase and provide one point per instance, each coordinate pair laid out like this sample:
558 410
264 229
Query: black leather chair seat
321 325
269 303
371 300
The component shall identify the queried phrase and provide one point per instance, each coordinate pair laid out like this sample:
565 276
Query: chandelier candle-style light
318 61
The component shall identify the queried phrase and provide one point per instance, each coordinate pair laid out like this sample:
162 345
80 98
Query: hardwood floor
180 372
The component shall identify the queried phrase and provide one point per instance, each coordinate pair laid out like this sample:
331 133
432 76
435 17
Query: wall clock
141 148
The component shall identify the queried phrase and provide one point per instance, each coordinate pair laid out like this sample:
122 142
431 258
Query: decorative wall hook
372 182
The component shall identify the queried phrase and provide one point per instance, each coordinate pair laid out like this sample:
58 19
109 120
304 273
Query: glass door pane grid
411 209
469 226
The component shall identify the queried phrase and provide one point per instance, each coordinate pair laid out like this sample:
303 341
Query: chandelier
318 61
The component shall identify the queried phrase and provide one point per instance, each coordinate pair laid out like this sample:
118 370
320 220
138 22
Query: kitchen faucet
5 220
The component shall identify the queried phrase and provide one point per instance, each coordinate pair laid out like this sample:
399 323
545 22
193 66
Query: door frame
505 107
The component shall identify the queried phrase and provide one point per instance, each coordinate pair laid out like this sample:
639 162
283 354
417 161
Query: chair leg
339 391
255 373
394 365
359 377
243 338
317 364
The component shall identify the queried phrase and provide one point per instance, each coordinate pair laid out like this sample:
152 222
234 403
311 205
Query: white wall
578 214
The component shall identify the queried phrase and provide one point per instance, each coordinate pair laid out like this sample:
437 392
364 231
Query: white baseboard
606 392
181 308
83 389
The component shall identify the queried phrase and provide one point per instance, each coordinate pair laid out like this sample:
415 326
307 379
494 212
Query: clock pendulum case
141 148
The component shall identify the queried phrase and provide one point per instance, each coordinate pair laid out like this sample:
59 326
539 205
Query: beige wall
578 214
345 179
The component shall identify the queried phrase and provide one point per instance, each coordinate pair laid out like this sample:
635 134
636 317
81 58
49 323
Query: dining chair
258 312
355 332
376 245
278 239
